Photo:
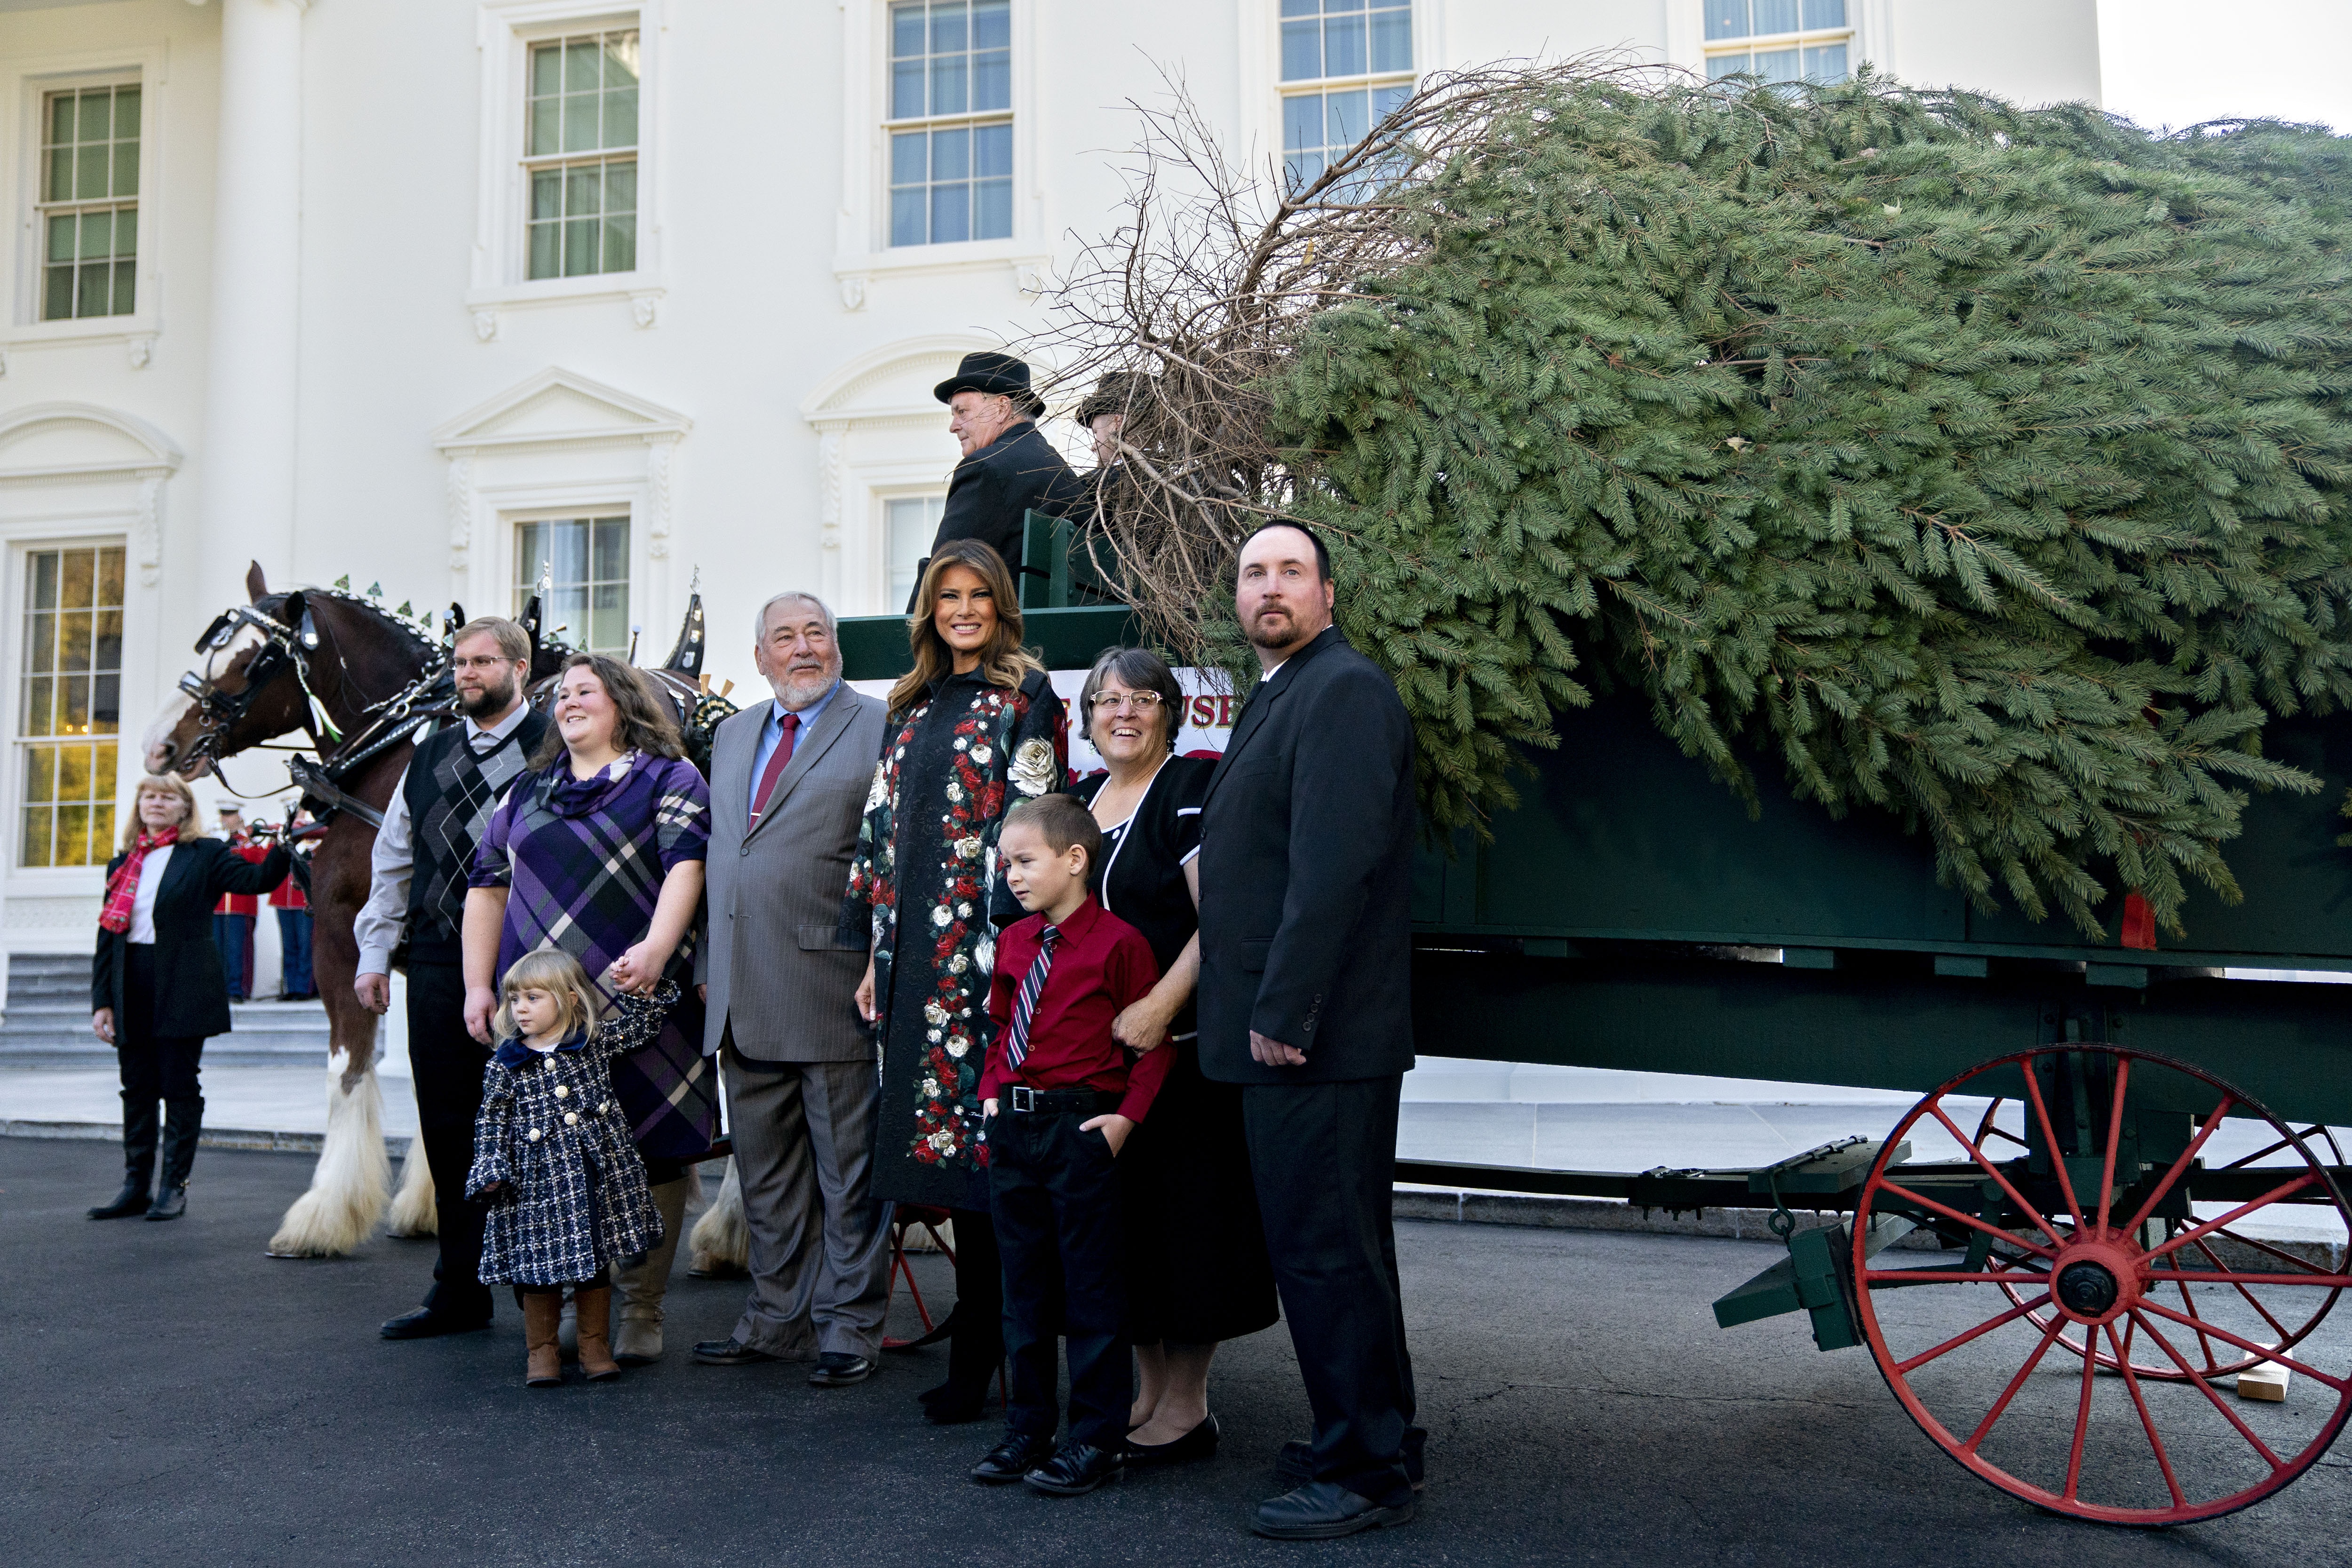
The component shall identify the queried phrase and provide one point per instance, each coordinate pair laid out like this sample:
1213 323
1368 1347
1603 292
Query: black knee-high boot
976 1329
186 1122
139 1120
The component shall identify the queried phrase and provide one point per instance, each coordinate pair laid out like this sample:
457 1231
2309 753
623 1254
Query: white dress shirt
142 902
377 929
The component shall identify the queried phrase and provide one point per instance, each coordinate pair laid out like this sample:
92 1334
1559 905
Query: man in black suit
1009 468
1306 1000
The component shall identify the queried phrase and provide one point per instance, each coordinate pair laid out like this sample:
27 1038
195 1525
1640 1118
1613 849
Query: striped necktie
1024 1006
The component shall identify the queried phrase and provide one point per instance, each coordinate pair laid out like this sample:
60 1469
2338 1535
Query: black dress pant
1325 1158
153 1067
446 1064
1060 1229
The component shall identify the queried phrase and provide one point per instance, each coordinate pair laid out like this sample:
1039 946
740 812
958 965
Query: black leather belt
1060 1102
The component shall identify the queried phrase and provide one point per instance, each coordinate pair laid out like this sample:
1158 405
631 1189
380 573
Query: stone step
255 1017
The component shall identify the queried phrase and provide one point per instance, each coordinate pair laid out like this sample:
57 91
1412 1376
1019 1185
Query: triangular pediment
48 439
555 405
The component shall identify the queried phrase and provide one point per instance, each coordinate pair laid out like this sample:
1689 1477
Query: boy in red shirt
1060 1096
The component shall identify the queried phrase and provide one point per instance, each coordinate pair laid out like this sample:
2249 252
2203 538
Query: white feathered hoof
416 1208
722 1239
353 1178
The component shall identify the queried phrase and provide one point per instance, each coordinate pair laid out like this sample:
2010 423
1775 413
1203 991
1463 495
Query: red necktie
775 768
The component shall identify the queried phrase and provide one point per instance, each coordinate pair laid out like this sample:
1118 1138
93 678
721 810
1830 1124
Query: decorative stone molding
657 476
461 510
830 446
1030 279
853 292
140 349
485 326
644 306
147 533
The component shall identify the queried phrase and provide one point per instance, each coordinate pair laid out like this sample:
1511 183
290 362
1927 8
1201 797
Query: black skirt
1196 1265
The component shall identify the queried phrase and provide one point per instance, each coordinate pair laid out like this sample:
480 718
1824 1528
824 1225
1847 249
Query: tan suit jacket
781 983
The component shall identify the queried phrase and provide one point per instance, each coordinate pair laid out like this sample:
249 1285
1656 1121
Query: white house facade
435 293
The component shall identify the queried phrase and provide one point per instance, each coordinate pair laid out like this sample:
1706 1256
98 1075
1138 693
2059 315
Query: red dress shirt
1101 966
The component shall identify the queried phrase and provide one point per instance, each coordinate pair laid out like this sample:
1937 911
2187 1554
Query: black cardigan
191 991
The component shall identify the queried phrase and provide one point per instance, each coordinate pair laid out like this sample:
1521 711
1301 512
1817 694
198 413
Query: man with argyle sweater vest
418 878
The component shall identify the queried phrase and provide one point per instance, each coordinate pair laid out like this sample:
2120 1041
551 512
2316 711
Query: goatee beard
493 700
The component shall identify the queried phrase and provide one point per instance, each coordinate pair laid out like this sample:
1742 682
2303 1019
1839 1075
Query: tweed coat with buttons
551 1128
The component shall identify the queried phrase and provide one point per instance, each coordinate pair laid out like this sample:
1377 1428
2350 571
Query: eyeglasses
1141 701
480 663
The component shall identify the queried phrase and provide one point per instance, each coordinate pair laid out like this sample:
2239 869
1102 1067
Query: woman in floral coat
976 727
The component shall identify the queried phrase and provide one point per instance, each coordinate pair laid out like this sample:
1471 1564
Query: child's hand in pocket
1113 1129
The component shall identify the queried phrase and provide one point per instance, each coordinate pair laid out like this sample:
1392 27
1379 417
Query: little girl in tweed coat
553 1160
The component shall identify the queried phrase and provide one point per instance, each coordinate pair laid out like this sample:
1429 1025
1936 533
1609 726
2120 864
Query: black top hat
996 373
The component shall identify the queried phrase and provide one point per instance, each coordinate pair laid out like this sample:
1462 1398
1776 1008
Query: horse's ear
296 613
256 586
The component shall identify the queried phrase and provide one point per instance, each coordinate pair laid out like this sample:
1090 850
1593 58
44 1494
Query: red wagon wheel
2069 1250
2215 1358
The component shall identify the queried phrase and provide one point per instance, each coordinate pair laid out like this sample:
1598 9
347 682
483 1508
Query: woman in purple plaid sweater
598 851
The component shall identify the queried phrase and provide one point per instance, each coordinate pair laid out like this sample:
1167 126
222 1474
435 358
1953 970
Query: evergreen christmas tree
1981 465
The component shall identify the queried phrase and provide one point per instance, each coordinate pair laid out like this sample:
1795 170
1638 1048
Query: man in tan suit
788 786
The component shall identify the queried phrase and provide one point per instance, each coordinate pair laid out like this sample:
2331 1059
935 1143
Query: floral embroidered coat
924 882
553 1130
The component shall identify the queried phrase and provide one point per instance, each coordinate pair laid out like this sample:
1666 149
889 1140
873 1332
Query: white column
251 392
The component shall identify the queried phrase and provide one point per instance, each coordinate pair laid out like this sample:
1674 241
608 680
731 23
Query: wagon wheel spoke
2195 1231
1900 1277
2115 1142
2139 1403
1998 1175
2205 1389
2212 1367
2265 1247
1984 1427
1907 1196
2212 1125
2316 1129
2252 1299
2057 1160
1988 1326
2259 1352
2082 1427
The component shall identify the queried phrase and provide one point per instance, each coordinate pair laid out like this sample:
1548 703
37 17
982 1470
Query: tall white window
580 155
909 523
587 559
1779 41
70 705
951 126
1345 65
88 207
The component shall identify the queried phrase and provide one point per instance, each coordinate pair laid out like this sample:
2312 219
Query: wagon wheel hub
2087 1290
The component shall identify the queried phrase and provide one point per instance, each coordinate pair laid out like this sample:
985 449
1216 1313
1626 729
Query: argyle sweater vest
451 793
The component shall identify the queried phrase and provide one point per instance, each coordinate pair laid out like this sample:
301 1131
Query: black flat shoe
1010 1460
427 1323
170 1203
1074 1469
839 1369
730 1352
131 1200
1321 1511
1200 1443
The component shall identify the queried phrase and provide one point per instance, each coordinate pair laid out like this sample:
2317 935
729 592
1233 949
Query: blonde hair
192 819
557 972
1003 662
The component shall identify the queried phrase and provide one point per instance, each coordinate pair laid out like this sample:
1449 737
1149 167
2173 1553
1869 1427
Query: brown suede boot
595 1319
544 1366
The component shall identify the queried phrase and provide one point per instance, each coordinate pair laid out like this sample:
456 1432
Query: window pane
908 163
620 245
546 126
126 169
991 209
38 716
991 23
40 774
908 208
125 287
97 235
621 118
37 851
1825 63
106 703
1776 16
546 69
580 237
93 292
608 621
76 577
109 585
43 589
1302 121
1301 7
992 151
57 294
56 176
1302 169
992 81
611 550
908 524
1386 99
621 61
62 238
1718 66
126 232
1344 119
61 117
950 86
951 214
1343 45
1302 50
583 68
580 131
906 89
1824 13
1393 40
1778 65
126 112
905 31
91 172
73 835
621 186
95 114
583 191
950 155
1727 20
948 18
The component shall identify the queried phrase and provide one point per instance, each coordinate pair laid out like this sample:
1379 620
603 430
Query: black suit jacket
191 991
1307 875
992 489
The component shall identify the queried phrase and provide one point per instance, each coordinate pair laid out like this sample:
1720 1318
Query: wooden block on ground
2265 1382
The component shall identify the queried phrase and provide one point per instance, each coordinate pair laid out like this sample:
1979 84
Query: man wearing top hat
1009 467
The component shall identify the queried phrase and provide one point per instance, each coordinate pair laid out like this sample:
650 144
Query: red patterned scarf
122 888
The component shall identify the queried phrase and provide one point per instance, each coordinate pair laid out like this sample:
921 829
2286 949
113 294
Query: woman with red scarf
156 991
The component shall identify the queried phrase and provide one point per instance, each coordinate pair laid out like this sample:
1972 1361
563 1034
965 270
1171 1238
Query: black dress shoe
170 1203
1076 1469
839 1369
1319 1511
1200 1443
1014 1457
730 1352
131 1200
429 1322
1295 1466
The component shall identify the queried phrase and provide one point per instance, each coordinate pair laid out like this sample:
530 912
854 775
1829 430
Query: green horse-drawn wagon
2118 1147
